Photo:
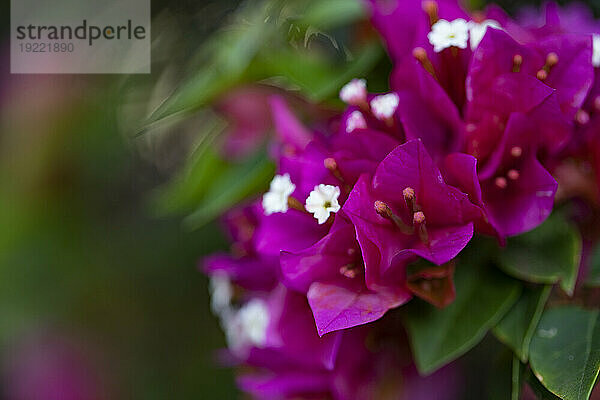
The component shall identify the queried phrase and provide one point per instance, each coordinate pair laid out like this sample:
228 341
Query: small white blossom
354 92
384 106
276 199
355 121
446 34
596 51
477 31
221 292
248 326
322 201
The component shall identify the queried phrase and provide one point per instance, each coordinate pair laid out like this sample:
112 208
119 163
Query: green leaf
332 13
538 389
236 184
226 57
188 189
565 351
549 254
483 296
316 77
518 325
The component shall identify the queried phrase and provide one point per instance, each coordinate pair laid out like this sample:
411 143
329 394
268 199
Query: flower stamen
419 224
420 55
582 117
517 62
513 174
431 9
385 212
501 182
411 199
516 151
349 271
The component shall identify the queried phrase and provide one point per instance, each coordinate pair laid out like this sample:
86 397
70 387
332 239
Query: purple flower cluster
482 113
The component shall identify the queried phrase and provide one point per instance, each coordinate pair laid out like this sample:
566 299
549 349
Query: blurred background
108 193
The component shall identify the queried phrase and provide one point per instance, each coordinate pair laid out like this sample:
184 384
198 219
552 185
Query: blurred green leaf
518 325
188 189
226 58
438 336
254 48
332 13
549 254
565 351
236 183
316 77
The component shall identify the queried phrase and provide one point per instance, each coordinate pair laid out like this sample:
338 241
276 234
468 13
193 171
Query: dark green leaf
518 325
548 254
236 184
565 351
483 296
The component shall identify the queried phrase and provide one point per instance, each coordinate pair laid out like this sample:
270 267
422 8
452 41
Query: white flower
477 31
384 106
355 121
354 92
248 326
221 292
276 199
596 51
322 201
446 34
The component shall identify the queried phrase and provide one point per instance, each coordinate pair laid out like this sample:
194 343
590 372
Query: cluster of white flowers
321 202
245 326
456 33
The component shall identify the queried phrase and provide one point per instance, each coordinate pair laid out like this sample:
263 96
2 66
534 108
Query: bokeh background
101 219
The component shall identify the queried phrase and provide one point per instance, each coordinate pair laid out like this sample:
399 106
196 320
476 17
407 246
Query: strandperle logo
83 31
80 36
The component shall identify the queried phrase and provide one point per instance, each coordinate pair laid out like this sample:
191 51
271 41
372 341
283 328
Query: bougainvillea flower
341 293
287 127
406 210
519 194
405 25
563 62
426 111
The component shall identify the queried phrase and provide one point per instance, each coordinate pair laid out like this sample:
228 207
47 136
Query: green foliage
233 184
549 254
438 336
565 351
261 44
518 325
